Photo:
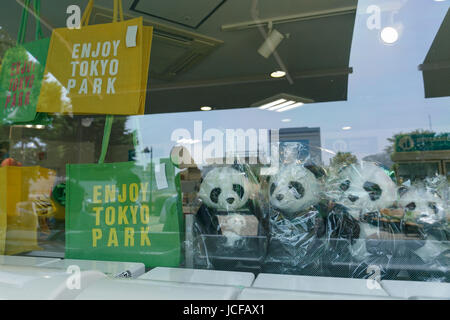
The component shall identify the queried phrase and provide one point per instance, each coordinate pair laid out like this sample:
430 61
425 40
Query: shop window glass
284 137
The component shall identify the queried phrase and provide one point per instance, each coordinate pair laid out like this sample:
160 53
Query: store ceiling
232 74
436 67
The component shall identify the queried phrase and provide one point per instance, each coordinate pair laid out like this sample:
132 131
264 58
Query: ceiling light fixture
271 43
301 16
346 128
282 105
270 104
278 74
286 120
29 126
206 108
281 102
291 106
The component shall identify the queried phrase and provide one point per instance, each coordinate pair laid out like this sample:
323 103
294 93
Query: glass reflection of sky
385 92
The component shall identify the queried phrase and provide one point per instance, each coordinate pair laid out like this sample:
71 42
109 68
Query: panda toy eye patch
215 193
239 190
272 188
373 189
345 185
297 189
411 206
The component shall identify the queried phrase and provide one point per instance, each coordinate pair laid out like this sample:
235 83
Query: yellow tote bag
23 190
99 69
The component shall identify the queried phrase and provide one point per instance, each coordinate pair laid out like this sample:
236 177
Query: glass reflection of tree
70 129
6 42
342 159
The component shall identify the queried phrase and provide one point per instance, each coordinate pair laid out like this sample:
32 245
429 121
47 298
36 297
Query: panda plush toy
229 225
423 207
425 213
308 233
293 189
389 239
363 187
366 190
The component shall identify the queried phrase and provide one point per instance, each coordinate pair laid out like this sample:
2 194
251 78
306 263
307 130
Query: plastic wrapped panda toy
425 212
365 189
308 233
389 240
229 226
362 188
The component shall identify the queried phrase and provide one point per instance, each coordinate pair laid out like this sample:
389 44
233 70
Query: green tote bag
22 75
124 211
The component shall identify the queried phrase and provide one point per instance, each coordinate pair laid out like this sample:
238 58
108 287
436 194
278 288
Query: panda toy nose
230 200
279 197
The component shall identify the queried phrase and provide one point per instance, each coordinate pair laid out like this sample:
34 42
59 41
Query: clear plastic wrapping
309 233
404 229
230 228
352 220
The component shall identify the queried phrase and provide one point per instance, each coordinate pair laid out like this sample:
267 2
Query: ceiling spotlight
206 108
271 43
389 35
346 128
278 74
286 120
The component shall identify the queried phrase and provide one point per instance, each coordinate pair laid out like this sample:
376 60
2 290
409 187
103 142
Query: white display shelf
111 268
26 261
212 277
417 289
131 289
319 284
33 283
275 294
47 278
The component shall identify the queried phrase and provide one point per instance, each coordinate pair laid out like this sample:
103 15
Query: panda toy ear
197 185
318 171
240 168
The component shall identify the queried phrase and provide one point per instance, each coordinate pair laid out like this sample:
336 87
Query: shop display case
248 149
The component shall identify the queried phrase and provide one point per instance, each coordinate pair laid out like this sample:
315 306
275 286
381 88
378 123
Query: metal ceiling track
289 18
250 79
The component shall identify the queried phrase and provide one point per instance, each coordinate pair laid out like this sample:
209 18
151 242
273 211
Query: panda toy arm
206 221
340 224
